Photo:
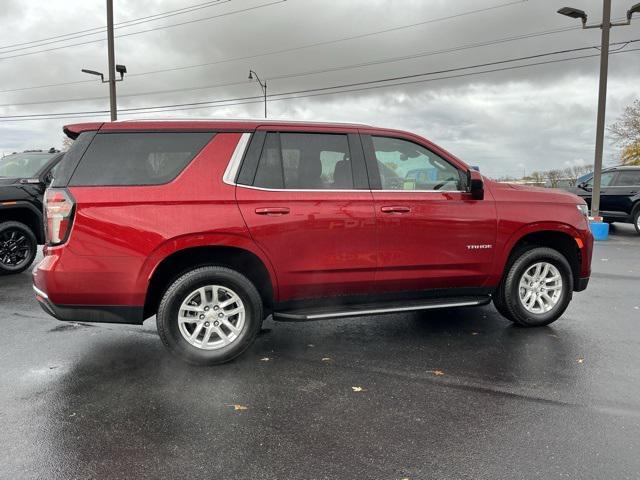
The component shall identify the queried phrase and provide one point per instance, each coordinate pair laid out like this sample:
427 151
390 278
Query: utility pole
112 63
602 93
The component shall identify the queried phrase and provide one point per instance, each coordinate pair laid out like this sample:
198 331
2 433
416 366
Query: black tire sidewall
33 246
519 314
167 316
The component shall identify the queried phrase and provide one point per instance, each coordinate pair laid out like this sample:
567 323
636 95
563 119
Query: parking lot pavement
450 394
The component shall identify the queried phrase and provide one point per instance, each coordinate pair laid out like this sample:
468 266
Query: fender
18 204
503 253
174 245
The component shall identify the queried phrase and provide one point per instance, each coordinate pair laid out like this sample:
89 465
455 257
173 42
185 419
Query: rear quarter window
150 158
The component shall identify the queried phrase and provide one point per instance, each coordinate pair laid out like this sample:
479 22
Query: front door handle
395 209
273 211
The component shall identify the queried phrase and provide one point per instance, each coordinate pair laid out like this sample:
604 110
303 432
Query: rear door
306 201
431 233
622 193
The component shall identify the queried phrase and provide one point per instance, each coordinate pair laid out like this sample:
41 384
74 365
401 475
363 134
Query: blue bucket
600 230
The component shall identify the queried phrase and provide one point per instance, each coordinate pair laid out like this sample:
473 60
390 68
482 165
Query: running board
340 311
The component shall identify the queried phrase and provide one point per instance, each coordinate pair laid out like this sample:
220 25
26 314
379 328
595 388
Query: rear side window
152 158
305 161
628 178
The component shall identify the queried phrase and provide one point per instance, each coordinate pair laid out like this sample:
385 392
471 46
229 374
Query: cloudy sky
506 121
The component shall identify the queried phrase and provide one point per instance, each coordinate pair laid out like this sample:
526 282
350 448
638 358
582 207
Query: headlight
583 209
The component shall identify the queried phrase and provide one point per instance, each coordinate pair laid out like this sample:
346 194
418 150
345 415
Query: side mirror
584 186
476 185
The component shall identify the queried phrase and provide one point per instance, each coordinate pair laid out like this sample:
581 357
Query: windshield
23 165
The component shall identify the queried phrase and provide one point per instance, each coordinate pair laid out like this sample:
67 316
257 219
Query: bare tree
554 177
626 133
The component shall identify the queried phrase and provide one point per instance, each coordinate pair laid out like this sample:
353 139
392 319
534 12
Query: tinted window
605 179
405 165
628 179
137 158
306 162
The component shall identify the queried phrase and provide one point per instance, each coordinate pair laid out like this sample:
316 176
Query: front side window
405 165
305 161
628 179
150 158
606 179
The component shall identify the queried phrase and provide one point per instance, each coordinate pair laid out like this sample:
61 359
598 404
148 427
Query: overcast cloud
506 122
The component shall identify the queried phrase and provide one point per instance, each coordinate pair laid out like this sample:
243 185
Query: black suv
23 180
619 194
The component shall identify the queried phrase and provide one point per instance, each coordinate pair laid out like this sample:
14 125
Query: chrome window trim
231 172
344 190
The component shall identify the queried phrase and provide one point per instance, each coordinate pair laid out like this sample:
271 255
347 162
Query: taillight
58 211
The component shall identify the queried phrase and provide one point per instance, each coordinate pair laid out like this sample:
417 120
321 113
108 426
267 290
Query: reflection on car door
309 207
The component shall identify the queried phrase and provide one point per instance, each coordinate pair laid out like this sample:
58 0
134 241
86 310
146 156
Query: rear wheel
537 288
18 247
209 315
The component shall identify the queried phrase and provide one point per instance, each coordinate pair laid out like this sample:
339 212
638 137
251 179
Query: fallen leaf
580 360
326 359
237 408
358 389
265 359
437 373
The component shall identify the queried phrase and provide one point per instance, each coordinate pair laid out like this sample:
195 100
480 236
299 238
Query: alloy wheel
540 288
211 317
15 250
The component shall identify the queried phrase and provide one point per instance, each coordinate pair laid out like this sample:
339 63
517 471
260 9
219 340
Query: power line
308 93
125 24
275 52
147 30
315 72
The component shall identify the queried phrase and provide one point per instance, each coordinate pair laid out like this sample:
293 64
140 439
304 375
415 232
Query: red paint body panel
324 243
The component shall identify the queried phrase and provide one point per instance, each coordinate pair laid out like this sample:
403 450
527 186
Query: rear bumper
581 284
90 313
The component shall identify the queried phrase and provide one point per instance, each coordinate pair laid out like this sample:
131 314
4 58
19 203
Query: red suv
214 225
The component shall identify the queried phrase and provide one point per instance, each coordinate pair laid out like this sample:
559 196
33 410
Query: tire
18 247
558 292
499 303
187 292
636 220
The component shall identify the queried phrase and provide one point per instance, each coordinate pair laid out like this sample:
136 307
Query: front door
309 207
431 233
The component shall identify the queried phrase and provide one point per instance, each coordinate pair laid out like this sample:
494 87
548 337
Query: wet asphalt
448 394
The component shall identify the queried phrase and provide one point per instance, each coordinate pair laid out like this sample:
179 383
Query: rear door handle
395 209
273 211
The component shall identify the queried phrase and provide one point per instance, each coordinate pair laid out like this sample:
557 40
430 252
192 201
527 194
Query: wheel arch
179 261
560 237
24 213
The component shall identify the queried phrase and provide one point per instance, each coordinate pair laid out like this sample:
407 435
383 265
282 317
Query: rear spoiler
73 131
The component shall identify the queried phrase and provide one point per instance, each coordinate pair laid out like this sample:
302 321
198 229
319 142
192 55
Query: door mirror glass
476 185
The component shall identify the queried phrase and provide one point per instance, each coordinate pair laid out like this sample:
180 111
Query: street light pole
263 86
602 93
112 63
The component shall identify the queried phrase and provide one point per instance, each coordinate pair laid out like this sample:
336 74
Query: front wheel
537 288
209 315
18 247
636 220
